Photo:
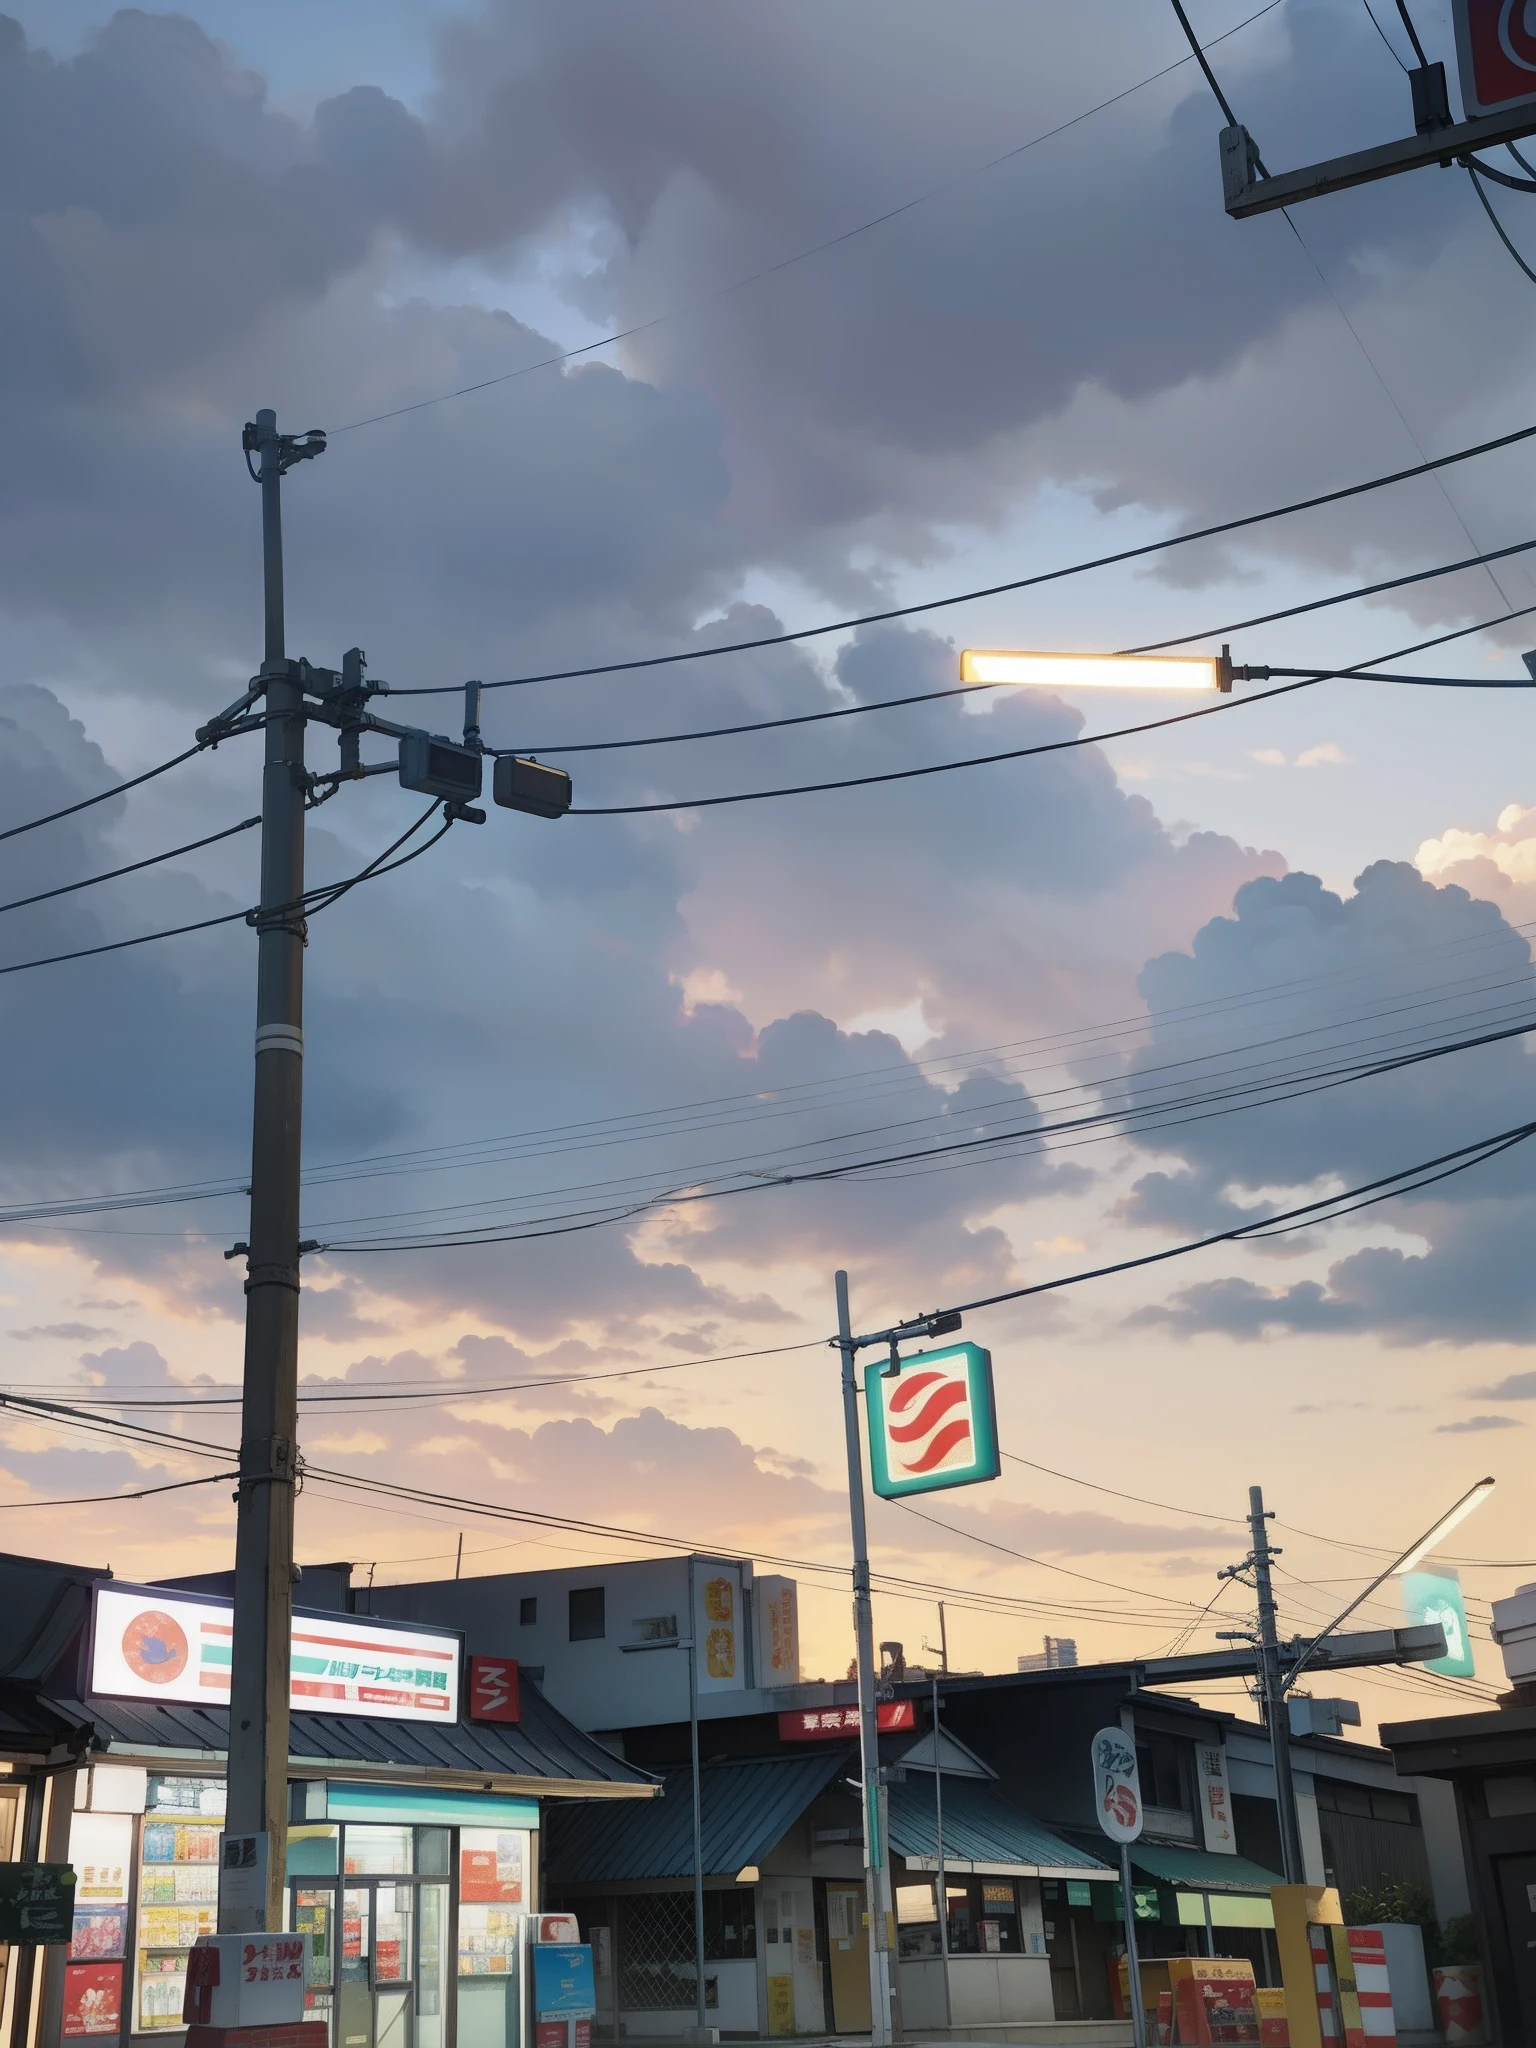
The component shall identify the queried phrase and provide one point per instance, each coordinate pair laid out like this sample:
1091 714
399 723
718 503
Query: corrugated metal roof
1201 1870
981 1829
747 1810
543 1745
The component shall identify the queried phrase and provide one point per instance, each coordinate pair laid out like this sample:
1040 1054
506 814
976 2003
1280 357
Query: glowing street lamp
999 665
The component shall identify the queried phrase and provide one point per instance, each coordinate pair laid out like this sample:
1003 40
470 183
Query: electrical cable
327 894
1413 34
133 867
719 732
1024 1557
756 796
694 1191
1049 746
1470 1155
1319 604
1386 39
1210 77
62 1415
84 1500
1503 178
1112 1120
804 255
118 789
1138 553
1498 226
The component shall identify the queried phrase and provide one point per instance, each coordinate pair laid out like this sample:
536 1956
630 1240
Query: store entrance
379 1959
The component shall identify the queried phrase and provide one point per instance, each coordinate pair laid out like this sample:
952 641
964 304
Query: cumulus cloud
1473 1425
1389 970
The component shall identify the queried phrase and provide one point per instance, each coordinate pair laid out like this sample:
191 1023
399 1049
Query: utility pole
701 2028
1272 1683
258 1694
876 1867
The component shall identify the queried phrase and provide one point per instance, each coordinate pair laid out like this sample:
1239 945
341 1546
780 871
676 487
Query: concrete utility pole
877 1876
269 1417
1277 1713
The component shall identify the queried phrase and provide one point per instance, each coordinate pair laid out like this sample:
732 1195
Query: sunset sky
927 299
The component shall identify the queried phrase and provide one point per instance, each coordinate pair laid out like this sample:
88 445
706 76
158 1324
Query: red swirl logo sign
1496 47
929 1420
1517 33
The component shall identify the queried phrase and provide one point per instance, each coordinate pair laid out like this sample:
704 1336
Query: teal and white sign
1436 1596
933 1424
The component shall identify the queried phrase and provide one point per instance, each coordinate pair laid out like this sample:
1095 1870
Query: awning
983 1835
747 1809
543 1755
1200 1870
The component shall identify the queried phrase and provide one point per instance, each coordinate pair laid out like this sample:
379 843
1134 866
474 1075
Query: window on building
588 1622
1367 1802
983 1918
528 1610
1160 1764
656 1955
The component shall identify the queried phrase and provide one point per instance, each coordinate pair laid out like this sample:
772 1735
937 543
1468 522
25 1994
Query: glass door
379 1960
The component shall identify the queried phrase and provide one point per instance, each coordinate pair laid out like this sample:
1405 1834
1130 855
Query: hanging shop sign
719 1626
37 1903
826 1724
933 1423
1430 1597
149 1643
1116 1785
494 1691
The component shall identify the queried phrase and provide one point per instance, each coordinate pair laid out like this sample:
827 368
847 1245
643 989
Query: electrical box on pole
521 784
440 767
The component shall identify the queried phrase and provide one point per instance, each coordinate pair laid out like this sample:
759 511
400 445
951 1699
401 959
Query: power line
1318 604
133 867
695 1190
312 901
721 732
1470 1156
1498 226
118 789
83 1500
1043 576
1050 746
801 256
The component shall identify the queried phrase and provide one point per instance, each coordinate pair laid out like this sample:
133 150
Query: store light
1093 671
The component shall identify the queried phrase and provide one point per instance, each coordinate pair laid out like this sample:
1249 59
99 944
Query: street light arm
1471 1499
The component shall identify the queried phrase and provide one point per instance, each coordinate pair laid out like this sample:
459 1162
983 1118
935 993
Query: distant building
1059 1654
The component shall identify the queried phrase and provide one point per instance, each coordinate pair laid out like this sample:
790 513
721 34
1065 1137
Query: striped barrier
1355 1959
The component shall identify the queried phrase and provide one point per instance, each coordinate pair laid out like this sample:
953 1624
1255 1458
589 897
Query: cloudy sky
916 301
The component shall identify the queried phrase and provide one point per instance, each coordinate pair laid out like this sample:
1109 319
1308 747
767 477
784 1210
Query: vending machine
561 1986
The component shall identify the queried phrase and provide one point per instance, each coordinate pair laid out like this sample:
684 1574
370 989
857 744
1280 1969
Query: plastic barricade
1274 2028
1213 2000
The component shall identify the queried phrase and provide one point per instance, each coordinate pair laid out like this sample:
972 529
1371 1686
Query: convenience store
414 1822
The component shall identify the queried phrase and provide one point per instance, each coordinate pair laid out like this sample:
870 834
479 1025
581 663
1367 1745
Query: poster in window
100 1935
490 1867
93 1999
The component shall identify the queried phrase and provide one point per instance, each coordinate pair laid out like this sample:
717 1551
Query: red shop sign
827 1724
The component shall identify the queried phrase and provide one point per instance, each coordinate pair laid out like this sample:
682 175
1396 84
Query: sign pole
1118 1809
701 2014
1132 1961
876 1872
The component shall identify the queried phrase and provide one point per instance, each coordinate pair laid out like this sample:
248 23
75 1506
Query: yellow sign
781 2005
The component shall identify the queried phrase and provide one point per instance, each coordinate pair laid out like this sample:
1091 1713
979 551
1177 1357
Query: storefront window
377 1851
917 1920
178 1892
313 1851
